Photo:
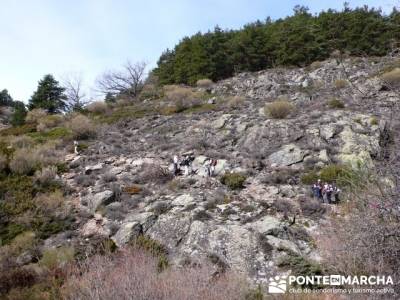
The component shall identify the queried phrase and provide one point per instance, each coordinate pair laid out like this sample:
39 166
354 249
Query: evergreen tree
110 98
5 98
49 96
296 40
19 114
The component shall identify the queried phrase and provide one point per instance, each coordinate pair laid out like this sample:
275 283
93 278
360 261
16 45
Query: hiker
212 166
176 169
207 166
317 189
336 192
325 189
329 192
76 147
188 158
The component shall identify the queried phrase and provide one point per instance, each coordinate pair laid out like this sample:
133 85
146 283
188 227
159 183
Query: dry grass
52 204
98 107
392 78
49 122
82 127
279 109
24 161
21 141
180 98
204 83
340 83
46 177
234 102
114 277
35 115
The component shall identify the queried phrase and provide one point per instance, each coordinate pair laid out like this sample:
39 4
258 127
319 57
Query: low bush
152 173
330 173
113 277
22 141
335 104
57 257
98 107
204 83
154 248
49 122
233 180
312 207
19 130
392 77
23 242
340 83
16 278
23 162
82 127
279 109
35 115
46 177
300 266
374 121
234 102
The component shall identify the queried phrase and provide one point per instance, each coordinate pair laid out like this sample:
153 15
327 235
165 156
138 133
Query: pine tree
18 117
49 96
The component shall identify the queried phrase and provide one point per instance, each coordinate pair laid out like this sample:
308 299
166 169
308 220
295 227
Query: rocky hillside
122 185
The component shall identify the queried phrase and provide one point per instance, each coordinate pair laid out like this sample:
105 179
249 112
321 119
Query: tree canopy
49 96
296 40
5 98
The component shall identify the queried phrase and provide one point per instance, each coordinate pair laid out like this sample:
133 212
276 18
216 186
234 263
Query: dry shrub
46 177
21 141
35 115
53 204
113 277
97 107
392 78
152 173
23 242
48 154
365 237
279 109
340 83
24 161
181 97
49 122
204 83
312 208
234 102
16 278
316 65
82 127
57 257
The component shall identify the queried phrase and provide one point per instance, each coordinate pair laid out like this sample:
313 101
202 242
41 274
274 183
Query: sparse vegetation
233 180
82 127
335 104
279 109
204 83
392 78
340 83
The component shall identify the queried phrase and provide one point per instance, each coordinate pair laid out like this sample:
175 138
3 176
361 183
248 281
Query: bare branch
73 84
128 81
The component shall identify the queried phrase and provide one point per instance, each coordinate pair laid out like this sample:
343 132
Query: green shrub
279 109
335 103
9 232
331 173
300 265
52 134
233 180
23 242
19 130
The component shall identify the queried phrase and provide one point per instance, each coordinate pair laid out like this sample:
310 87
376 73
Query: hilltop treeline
296 40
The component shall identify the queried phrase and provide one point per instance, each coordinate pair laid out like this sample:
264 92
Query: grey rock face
128 232
287 156
92 202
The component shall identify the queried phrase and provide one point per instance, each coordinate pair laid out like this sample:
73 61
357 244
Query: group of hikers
186 162
326 192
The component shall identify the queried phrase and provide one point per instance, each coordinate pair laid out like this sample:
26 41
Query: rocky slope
120 193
